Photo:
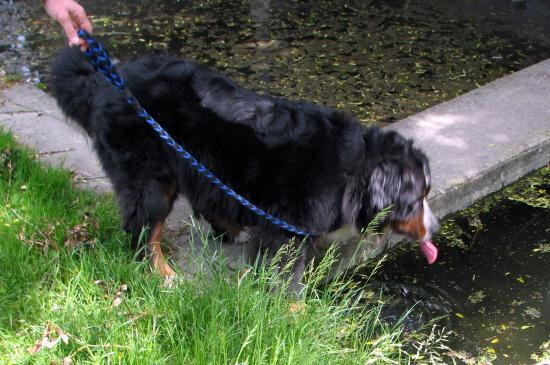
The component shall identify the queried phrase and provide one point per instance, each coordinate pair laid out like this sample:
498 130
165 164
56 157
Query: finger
74 41
81 19
69 28
85 23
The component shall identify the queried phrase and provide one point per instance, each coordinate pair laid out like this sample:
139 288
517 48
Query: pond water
382 60
491 283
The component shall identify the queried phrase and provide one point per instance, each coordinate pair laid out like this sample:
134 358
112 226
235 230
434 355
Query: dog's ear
384 186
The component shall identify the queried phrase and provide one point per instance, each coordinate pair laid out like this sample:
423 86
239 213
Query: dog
315 167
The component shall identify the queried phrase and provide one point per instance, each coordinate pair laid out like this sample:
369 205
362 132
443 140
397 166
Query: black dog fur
313 166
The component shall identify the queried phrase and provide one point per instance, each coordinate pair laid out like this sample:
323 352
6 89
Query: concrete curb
485 139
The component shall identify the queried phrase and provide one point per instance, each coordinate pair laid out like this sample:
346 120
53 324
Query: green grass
107 308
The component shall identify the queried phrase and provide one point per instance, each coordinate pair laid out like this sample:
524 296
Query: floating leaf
532 312
542 248
476 297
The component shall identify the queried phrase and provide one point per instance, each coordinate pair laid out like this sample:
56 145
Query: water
381 60
491 282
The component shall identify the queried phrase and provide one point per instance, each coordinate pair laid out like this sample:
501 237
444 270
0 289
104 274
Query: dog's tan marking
157 257
413 227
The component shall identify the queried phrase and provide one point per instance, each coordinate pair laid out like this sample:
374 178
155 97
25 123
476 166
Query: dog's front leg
295 284
285 257
292 265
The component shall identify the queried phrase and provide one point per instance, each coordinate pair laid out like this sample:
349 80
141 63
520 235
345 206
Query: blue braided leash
98 57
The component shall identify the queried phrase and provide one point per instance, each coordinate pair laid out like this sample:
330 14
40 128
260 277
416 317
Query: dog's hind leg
149 206
158 261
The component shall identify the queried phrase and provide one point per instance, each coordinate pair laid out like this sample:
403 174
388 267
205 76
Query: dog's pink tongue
429 250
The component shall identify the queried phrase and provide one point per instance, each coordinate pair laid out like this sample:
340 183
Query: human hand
72 17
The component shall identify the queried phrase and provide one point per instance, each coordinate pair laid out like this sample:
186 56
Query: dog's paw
169 281
167 273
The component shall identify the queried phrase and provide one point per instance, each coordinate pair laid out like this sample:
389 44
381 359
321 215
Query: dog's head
397 176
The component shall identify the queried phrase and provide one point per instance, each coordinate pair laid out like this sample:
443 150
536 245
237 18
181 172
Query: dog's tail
72 84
